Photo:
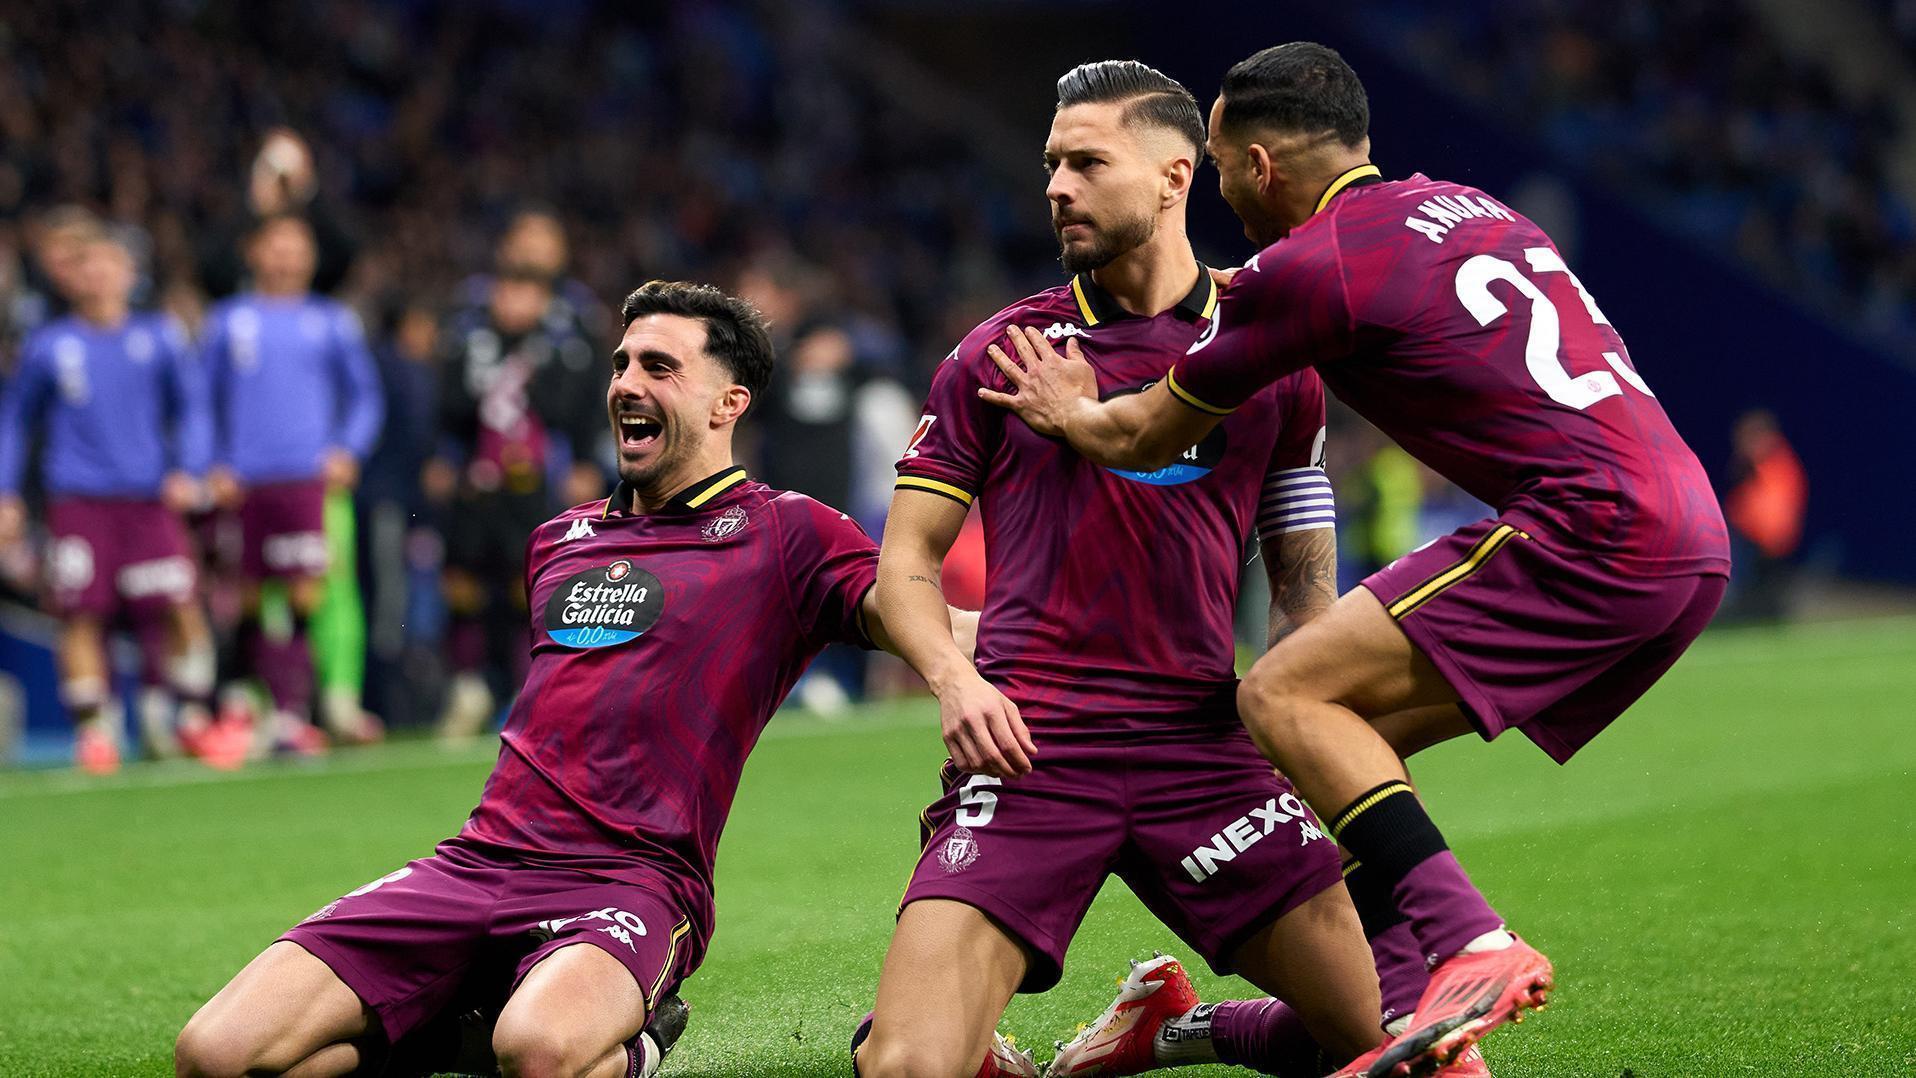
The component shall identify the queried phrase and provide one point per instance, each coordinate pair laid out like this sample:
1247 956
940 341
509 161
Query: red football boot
1470 1064
1120 1041
1469 995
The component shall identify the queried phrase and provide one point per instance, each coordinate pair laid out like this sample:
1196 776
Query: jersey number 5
1546 336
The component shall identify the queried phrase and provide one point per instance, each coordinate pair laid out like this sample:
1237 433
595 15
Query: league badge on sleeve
611 604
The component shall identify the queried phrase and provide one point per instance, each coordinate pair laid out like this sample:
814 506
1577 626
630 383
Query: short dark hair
1151 96
1300 87
734 330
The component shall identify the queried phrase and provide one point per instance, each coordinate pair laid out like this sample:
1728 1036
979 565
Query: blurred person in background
297 406
517 423
1765 508
128 439
400 548
831 429
48 280
535 241
283 181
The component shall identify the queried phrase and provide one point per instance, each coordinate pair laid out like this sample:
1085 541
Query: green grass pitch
1726 879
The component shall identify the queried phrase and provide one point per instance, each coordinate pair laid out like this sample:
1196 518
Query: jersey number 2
1578 391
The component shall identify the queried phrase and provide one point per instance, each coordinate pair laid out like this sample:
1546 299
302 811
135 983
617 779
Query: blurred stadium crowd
464 202
1693 104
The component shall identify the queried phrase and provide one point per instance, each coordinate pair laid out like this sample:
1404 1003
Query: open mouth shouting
638 432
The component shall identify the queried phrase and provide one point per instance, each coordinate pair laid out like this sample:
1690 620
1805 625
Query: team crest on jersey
611 604
725 525
1194 463
959 851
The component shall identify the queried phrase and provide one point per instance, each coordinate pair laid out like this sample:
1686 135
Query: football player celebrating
1097 733
1453 324
668 621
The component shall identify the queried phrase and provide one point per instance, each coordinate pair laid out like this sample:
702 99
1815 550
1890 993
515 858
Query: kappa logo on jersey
1059 330
581 529
958 851
1248 830
1194 463
725 525
924 428
623 926
613 604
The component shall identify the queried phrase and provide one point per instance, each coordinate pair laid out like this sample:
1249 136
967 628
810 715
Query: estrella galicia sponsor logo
611 604
1194 463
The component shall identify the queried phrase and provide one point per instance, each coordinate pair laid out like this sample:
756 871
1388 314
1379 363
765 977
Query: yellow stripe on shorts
1456 574
671 955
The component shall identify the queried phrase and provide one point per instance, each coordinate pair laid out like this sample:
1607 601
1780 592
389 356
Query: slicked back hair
734 330
1150 96
1299 88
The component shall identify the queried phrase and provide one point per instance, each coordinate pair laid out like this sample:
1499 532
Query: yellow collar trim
1344 181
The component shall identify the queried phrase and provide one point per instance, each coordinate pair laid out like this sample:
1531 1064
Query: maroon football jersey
1109 595
1451 322
661 644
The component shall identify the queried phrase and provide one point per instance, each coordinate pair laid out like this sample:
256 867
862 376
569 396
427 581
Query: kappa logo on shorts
1241 834
958 851
725 525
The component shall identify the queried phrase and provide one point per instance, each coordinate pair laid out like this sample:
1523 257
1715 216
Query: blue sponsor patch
1169 476
1194 463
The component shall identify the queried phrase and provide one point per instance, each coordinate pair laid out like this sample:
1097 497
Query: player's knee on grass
279 1011
931 1057
543 1031
526 1050
225 1045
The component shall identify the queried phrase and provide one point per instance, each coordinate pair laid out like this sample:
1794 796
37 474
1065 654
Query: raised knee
203 1051
1266 699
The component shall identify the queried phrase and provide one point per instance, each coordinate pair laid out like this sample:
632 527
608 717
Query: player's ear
1178 174
730 405
1263 167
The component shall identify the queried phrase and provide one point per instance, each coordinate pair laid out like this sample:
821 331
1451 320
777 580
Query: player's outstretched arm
982 728
1057 396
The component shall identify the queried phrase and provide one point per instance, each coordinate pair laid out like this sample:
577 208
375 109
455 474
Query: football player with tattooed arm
668 621
1096 732
1454 325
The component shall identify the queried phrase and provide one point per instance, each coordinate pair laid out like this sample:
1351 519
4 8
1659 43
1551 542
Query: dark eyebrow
649 355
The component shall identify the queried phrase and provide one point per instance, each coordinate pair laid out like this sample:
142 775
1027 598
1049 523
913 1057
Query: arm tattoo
925 579
1303 572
